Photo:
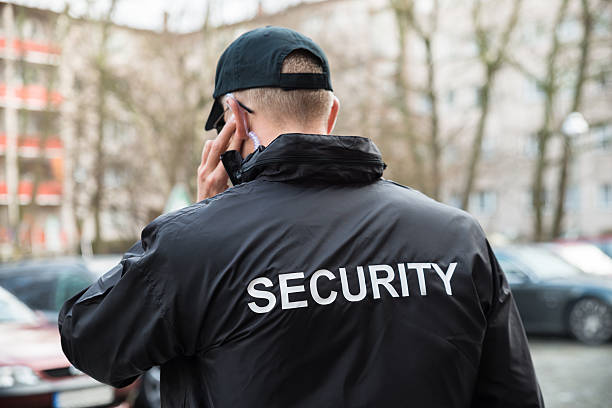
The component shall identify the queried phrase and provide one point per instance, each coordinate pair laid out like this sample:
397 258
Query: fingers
212 177
205 152
236 142
220 145
241 121
220 178
211 184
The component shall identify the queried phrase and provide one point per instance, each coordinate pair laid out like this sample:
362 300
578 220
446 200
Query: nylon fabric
313 282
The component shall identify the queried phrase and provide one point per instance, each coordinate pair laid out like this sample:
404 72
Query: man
312 282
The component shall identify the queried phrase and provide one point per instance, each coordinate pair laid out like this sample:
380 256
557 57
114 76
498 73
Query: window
478 94
513 272
484 202
488 146
531 145
455 200
68 285
533 92
33 290
450 97
473 49
544 263
569 31
603 79
602 136
605 195
572 198
423 104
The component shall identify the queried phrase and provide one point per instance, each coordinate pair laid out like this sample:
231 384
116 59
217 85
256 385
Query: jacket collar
308 157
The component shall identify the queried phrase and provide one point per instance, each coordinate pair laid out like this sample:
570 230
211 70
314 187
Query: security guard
313 281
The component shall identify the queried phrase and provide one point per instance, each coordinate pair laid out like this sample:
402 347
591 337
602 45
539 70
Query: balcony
29 146
31 51
33 97
49 192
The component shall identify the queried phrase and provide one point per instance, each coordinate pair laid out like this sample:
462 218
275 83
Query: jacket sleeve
116 329
506 375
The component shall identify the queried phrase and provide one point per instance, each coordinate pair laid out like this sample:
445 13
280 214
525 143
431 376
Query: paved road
572 375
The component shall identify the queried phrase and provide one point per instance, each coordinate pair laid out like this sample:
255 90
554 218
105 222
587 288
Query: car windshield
13 311
605 246
46 286
544 263
587 257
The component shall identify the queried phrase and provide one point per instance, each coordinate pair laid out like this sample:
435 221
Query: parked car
45 284
584 255
603 242
34 371
555 297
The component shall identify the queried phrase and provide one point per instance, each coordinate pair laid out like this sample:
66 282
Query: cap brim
215 112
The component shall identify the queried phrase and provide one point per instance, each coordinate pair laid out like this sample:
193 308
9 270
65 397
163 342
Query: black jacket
312 283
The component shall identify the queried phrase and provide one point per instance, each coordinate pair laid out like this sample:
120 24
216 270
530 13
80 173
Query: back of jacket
305 291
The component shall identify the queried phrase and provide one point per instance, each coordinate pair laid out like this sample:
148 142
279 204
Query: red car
34 371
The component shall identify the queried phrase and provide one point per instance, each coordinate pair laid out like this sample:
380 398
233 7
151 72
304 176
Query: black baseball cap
255 59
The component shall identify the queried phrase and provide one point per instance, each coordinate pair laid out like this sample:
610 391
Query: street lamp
574 125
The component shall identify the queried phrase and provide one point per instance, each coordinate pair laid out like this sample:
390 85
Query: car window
514 273
544 263
587 257
12 310
36 291
68 285
605 246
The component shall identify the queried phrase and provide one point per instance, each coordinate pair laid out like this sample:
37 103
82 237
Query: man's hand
212 178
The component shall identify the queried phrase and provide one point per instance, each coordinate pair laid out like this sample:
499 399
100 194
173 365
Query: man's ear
333 115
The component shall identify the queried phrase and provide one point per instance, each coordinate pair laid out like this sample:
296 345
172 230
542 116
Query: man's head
283 77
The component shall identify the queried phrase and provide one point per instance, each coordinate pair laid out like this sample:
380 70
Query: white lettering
420 267
446 277
403 280
285 290
327 292
261 294
314 290
386 282
345 286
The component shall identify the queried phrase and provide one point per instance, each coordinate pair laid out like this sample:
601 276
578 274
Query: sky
185 15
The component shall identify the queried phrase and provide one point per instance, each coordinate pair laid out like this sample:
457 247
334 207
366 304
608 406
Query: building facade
56 135
31 147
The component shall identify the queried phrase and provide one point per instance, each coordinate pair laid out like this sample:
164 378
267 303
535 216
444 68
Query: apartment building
48 114
31 147
502 197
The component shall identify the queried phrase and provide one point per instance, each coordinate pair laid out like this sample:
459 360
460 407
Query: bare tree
101 67
492 56
168 106
406 17
587 21
549 85
401 9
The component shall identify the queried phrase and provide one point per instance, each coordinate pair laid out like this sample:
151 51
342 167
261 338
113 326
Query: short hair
299 106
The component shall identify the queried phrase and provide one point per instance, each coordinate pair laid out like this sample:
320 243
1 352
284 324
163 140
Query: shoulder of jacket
181 216
445 213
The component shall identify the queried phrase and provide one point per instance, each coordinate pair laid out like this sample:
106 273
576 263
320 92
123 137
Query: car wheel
590 321
149 396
